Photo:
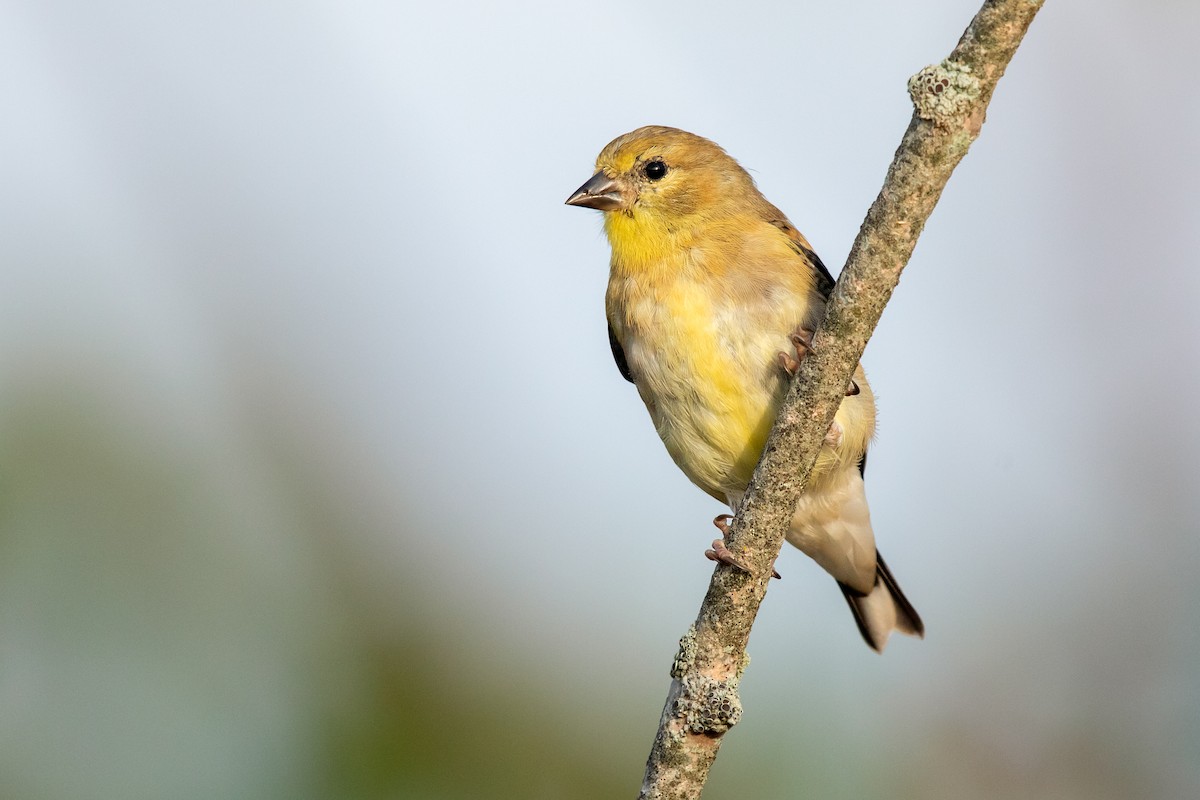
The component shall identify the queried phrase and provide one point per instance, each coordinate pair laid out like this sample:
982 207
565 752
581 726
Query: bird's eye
656 169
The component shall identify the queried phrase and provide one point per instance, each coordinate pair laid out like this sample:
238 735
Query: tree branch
950 101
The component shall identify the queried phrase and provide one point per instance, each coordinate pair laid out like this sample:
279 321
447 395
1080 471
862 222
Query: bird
712 298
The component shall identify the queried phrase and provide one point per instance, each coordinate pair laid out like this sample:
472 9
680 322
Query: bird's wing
824 281
619 355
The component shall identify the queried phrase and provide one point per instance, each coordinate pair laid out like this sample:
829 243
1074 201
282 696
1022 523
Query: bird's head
662 180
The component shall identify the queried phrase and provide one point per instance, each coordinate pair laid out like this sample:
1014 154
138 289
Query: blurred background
317 479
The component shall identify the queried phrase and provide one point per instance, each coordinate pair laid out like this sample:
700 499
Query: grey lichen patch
743 662
686 655
944 93
739 658
676 736
707 705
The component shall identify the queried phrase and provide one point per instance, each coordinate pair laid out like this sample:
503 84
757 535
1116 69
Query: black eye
656 169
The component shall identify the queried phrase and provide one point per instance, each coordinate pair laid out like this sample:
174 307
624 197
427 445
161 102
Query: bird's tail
883 610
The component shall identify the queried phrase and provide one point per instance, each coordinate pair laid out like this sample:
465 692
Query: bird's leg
801 340
722 554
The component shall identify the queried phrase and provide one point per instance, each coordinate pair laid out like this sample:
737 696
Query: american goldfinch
710 287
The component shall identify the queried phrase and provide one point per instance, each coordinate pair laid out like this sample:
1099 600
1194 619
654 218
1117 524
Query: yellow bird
709 286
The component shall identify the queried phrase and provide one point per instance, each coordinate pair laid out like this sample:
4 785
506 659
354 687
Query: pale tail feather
883 610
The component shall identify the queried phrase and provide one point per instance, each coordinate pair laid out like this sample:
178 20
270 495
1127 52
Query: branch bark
950 100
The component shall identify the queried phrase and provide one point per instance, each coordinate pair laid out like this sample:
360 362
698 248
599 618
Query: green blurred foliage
178 624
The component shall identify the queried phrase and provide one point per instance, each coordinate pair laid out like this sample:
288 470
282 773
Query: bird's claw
789 364
801 341
722 554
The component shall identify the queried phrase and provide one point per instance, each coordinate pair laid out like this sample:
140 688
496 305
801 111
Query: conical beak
600 192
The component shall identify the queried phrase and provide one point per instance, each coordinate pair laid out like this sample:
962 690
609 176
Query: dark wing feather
824 281
619 355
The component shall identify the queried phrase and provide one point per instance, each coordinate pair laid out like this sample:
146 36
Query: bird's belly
712 393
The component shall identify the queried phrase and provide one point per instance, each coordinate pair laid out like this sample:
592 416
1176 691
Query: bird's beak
600 192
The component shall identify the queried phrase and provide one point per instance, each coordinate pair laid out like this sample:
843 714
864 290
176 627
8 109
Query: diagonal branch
950 101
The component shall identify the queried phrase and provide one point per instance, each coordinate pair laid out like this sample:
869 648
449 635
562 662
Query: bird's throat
642 243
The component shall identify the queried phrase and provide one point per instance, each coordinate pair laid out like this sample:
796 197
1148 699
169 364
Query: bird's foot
801 341
722 554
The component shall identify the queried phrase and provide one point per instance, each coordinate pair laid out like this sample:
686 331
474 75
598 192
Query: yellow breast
702 320
703 351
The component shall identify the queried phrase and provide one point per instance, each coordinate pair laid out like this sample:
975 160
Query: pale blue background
317 478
